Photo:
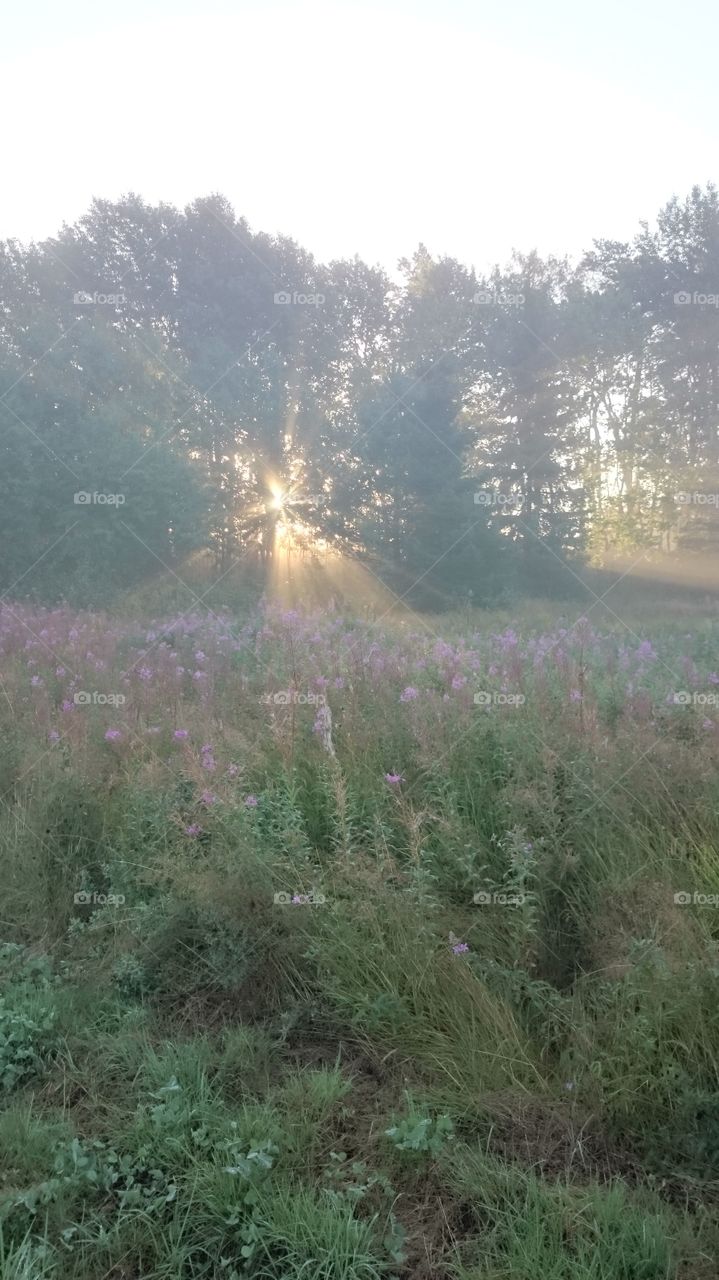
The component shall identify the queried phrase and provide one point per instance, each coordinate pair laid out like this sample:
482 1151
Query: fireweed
515 896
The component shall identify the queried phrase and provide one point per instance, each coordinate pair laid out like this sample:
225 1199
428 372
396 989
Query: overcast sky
474 127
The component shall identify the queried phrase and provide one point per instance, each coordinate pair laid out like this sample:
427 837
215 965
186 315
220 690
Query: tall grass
314 965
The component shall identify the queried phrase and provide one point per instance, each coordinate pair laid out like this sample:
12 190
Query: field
337 947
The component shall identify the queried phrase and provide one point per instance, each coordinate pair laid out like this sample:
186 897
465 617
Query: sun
278 497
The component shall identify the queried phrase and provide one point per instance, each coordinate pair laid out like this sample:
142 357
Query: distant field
345 946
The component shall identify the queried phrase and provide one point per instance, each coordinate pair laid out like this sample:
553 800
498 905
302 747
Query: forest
462 437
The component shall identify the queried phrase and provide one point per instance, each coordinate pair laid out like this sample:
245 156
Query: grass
482 1042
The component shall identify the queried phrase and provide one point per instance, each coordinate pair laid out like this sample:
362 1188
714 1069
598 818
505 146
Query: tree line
173 381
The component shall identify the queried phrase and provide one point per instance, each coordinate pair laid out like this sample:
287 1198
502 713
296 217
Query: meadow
339 947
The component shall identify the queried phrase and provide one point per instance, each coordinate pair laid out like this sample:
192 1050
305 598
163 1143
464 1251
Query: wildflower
575 696
113 735
459 947
199 656
60 672
37 682
232 771
208 798
458 682
442 651
251 802
509 640
67 705
53 736
393 778
193 829
180 735
409 694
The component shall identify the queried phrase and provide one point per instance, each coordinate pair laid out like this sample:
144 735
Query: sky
471 126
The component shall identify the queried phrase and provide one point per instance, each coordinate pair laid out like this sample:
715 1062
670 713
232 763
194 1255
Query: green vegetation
482 1043
174 384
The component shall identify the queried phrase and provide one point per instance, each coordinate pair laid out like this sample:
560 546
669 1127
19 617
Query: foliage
434 1000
